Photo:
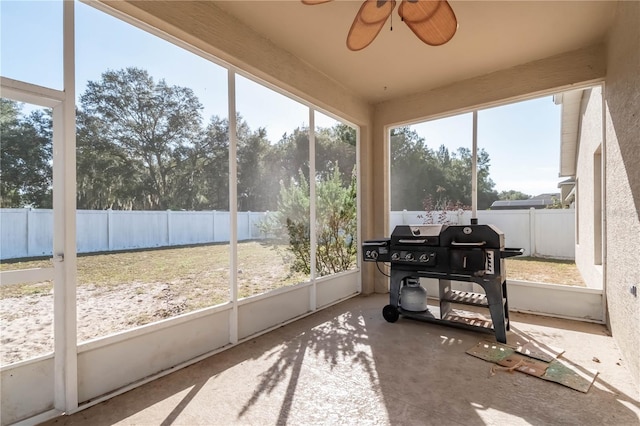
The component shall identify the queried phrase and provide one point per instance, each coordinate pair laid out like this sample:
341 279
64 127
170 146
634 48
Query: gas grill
472 253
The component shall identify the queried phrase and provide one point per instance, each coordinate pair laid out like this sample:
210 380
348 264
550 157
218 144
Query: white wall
590 143
29 232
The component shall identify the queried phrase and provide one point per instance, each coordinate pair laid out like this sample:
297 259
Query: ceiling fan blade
432 21
417 10
374 11
364 31
312 2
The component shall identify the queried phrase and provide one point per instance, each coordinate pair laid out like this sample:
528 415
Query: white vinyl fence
29 232
540 232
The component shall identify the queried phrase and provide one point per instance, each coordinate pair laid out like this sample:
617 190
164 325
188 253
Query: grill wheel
390 313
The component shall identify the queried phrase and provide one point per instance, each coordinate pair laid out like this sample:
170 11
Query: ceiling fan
432 21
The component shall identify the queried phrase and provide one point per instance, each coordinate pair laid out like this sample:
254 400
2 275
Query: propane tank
413 297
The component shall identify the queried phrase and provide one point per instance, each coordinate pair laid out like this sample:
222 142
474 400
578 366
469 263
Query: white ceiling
492 35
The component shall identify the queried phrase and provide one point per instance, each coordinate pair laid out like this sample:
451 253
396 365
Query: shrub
336 222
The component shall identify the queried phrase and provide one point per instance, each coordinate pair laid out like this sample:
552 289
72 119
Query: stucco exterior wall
589 182
622 108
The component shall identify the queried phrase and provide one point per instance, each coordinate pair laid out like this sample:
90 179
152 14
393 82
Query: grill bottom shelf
487 311
461 318
472 319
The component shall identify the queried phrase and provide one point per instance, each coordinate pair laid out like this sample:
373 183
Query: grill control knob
395 256
409 256
374 254
423 257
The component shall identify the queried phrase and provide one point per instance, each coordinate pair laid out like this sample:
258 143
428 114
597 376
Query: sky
523 140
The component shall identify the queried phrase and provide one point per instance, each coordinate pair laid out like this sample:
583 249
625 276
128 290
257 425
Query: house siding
622 109
590 143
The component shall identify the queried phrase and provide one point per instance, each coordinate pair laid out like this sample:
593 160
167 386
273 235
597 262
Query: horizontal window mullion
30 93
22 276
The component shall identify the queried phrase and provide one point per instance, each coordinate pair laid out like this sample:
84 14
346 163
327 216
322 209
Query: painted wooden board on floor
558 371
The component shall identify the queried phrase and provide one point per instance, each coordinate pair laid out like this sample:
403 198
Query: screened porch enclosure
323 185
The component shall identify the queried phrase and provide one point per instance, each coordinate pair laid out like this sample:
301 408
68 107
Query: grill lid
428 235
485 236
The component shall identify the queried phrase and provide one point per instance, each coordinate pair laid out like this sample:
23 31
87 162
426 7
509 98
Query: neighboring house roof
538 202
550 196
567 191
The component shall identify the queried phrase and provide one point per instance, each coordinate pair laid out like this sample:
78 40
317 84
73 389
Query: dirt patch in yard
118 291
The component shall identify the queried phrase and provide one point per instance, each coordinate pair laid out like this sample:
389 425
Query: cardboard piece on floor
572 376
492 352
539 351
553 371
524 364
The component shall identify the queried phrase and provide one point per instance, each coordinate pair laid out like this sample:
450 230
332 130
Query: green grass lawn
550 271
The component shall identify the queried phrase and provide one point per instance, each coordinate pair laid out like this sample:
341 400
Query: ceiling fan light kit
432 21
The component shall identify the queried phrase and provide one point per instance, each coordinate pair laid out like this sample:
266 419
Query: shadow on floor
347 365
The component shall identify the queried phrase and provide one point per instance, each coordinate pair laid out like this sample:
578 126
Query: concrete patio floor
347 365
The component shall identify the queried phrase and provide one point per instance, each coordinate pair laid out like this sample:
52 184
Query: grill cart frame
467 253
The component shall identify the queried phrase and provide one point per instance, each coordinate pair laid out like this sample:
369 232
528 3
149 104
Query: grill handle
474 244
374 243
511 252
422 241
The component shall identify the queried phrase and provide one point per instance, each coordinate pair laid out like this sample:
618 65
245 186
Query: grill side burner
473 253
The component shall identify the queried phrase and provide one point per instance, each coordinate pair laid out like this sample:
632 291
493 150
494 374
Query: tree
26 177
206 178
107 178
291 154
414 170
460 179
337 142
150 127
442 179
256 188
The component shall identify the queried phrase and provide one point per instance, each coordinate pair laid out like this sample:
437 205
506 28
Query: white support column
249 224
604 201
474 169
233 206
359 209
30 227
213 226
169 227
532 231
313 238
64 240
110 228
